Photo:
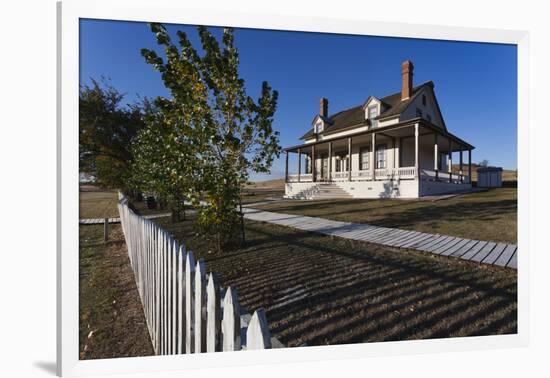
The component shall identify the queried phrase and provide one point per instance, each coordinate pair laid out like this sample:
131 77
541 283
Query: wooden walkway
117 220
500 254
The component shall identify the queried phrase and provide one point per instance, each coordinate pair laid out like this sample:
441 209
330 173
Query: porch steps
330 191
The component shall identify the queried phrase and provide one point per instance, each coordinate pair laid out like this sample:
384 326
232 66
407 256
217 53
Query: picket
189 313
182 308
231 321
200 296
213 314
181 299
258 335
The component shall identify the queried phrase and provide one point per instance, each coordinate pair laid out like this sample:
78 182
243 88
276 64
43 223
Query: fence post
213 314
189 278
200 318
257 334
105 229
231 322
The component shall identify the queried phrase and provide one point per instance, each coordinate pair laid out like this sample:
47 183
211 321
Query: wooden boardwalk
500 254
117 220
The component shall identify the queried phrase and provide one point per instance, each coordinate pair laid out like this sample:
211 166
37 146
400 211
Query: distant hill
277 184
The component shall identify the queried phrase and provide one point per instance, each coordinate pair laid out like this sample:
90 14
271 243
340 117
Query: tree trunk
175 214
243 236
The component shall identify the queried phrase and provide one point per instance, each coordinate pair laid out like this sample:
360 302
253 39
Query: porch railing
401 173
455 178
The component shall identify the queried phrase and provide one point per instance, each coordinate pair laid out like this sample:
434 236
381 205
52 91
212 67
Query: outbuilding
489 177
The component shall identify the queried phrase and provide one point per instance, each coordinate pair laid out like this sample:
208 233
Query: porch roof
380 130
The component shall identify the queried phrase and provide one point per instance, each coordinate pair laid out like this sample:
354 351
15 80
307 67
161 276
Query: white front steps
330 191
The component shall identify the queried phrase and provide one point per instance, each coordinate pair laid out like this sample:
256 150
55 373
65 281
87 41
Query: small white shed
489 177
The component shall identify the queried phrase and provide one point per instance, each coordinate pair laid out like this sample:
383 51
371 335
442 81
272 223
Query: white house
395 146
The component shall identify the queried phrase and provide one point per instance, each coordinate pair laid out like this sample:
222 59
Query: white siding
430 108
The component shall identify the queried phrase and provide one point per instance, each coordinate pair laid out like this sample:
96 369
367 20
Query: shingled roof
356 115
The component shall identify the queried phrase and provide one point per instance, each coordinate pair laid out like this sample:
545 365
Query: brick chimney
407 76
323 107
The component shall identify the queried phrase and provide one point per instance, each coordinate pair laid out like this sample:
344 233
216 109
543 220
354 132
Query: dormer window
372 114
319 127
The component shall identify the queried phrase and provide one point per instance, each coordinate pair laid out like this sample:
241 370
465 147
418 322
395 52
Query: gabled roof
356 115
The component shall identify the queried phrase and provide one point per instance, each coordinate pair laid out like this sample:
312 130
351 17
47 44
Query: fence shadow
319 290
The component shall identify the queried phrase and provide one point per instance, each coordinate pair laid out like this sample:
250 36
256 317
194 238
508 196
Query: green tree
160 163
222 133
106 131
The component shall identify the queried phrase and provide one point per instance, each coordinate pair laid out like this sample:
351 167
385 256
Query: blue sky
475 83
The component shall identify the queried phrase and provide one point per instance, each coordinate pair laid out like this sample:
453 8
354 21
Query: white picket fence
184 309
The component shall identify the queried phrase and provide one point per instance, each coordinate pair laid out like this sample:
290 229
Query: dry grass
261 190
490 215
321 290
98 204
112 323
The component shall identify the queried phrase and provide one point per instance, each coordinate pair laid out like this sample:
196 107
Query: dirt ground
319 290
112 323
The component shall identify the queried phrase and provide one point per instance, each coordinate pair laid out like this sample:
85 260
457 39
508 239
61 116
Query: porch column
470 166
373 155
286 166
436 158
416 173
399 143
329 161
349 159
460 169
450 161
313 168
299 163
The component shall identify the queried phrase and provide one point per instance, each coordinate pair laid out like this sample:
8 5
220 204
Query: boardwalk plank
465 248
506 255
392 236
428 243
417 239
437 243
368 236
449 251
513 263
495 253
405 238
420 241
444 245
484 252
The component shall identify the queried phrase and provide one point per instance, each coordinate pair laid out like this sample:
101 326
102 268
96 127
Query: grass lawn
490 215
321 290
112 323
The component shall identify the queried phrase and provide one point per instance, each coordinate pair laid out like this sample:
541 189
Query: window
319 127
381 156
424 99
429 118
373 112
364 154
418 112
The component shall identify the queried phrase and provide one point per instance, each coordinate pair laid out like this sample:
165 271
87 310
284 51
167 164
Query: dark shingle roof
355 116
